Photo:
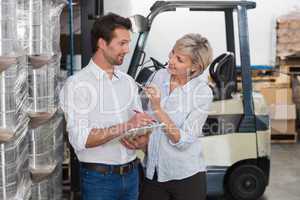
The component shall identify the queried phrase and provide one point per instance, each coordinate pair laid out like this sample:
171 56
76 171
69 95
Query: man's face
115 51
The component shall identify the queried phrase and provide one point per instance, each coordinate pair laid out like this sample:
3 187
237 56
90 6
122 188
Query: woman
179 97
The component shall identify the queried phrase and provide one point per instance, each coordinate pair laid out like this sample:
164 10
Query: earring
192 72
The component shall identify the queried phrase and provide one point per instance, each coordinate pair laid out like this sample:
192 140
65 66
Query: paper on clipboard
141 131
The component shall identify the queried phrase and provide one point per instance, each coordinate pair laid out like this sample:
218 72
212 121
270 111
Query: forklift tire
246 182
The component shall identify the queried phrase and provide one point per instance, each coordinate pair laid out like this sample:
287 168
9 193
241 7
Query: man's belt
105 169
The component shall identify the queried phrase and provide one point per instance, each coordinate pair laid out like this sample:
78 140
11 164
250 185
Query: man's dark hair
104 27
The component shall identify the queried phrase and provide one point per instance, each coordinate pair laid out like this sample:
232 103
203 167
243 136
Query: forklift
236 135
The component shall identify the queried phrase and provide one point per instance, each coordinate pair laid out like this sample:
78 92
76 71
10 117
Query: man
100 104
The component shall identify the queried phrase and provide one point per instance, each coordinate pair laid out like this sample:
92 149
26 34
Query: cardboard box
290 20
291 36
282 112
281 81
278 96
283 126
288 27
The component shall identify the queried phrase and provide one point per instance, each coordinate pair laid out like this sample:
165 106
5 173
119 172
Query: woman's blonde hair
197 47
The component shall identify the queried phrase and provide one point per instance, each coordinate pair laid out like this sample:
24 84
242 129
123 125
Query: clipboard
141 131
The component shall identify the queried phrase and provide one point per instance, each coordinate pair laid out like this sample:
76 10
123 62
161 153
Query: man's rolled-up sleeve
71 102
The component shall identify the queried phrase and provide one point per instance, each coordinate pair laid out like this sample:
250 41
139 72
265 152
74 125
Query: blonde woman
180 97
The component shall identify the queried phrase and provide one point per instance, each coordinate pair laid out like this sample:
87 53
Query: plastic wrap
39 34
8 23
38 26
58 140
57 183
42 190
18 189
42 90
24 190
288 34
13 165
46 144
50 188
13 73
57 8
11 151
13 100
14 174
44 63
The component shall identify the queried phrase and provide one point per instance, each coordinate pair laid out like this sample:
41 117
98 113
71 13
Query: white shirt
188 108
89 100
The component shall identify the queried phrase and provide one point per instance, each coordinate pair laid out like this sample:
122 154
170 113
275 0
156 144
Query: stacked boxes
49 188
29 97
14 96
288 35
14 177
14 164
46 157
288 57
283 118
39 34
13 74
45 144
282 110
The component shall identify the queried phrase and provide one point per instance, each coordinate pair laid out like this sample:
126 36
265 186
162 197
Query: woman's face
180 64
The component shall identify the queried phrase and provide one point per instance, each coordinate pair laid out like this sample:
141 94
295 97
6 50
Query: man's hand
139 119
138 142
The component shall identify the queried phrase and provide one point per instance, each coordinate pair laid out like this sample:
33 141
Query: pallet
284 138
289 60
290 69
281 81
264 78
289 64
261 78
262 72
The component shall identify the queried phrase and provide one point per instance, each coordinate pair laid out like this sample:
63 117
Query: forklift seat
146 72
144 75
223 72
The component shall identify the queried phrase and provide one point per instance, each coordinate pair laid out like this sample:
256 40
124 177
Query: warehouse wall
262 23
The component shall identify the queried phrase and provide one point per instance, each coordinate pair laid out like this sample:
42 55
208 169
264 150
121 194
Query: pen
136 111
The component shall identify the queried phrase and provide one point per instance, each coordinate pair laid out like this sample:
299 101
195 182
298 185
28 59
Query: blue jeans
111 186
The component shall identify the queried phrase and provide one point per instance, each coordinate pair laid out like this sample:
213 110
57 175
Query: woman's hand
154 95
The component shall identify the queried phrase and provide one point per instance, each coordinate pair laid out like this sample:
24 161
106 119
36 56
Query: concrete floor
285 173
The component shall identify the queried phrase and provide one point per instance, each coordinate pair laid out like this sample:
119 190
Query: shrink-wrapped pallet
288 35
